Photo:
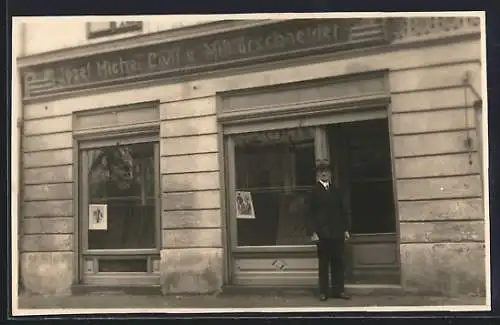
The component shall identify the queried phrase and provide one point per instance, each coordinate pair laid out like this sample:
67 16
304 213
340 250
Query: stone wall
47 248
191 256
439 189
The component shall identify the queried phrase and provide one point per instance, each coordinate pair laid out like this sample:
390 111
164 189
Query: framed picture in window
98 216
244 205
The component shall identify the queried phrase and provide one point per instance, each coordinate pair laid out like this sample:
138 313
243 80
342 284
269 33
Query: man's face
324 175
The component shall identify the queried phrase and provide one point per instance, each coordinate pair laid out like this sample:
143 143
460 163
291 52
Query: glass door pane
121 197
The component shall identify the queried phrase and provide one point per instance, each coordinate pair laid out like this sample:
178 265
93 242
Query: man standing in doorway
329 226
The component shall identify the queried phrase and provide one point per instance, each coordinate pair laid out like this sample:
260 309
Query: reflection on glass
123 178
277 168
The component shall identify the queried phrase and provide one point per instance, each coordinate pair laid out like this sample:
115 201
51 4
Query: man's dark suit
329 221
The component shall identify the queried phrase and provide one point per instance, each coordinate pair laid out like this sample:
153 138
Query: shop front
186 166
270 164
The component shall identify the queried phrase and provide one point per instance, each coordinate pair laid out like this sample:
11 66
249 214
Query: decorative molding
314 97
421 27
100 123
269 97
307 109
100 111
131 130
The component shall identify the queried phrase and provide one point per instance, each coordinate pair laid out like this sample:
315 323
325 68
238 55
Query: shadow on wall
20 285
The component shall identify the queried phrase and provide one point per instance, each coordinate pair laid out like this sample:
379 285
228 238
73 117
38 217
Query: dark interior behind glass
277 167
123 177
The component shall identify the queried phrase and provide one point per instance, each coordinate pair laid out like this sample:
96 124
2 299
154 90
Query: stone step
83 289
353 289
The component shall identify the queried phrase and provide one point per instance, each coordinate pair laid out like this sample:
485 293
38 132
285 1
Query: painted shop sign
258 44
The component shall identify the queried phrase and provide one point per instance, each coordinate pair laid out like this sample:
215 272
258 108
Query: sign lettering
278 40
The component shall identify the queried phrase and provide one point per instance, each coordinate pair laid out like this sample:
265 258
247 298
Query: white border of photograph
15 159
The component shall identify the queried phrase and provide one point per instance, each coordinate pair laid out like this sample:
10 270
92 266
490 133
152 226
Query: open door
360 153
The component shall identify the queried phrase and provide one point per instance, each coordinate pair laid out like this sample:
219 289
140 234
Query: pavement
127 301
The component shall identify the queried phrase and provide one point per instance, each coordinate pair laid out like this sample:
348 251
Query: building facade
181 158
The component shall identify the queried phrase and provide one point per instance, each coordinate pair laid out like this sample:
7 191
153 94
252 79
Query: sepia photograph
250 163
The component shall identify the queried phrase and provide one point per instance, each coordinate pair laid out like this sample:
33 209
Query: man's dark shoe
342 296
323 297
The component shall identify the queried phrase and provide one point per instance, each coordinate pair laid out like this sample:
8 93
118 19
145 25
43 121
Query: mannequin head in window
121 172
324 172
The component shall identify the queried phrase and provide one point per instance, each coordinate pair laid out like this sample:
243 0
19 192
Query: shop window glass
123 178
275 171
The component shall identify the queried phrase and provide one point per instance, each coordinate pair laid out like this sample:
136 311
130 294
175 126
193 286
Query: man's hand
314 237
346 235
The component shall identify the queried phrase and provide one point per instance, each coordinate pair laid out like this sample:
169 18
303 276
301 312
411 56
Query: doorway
119 213
275 172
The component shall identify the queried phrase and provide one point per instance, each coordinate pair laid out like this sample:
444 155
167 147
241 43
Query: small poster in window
98 217
244 205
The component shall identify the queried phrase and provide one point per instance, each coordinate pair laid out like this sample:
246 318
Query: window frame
85 256
83 147
125 124
271 188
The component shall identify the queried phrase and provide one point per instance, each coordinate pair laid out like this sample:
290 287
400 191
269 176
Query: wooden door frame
394 190
367 238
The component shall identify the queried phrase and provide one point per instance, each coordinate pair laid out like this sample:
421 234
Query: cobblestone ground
233 301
